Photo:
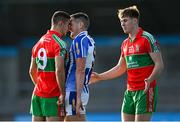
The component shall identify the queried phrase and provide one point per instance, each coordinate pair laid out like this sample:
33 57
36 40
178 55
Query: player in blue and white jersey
82 56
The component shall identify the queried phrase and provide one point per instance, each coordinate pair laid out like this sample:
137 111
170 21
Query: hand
60 100
78 107
94 78
147 85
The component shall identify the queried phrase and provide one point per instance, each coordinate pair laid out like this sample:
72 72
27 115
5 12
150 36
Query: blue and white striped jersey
83 46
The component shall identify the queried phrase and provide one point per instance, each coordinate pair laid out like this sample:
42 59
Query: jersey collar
55 32
82 33
140 31
138 35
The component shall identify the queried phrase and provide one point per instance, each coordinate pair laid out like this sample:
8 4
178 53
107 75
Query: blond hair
131 11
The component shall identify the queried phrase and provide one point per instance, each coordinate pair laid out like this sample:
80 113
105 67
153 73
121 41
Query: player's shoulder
80 37
125 41
84 38
148 36
37 44
58 41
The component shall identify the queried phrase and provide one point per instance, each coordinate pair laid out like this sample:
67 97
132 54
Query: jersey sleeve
33 52
152 45
59 50
81 47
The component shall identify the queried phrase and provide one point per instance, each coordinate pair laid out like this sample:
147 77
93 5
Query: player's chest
136 47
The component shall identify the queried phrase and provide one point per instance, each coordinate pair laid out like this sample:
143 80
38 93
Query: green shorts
137 102
44 106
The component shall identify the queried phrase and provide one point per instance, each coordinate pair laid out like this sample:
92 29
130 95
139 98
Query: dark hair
131 11
59 16
82 17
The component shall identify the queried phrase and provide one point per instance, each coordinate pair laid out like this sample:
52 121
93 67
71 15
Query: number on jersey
41 59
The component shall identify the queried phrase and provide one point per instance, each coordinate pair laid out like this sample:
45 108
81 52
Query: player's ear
60 23
135 20
81 24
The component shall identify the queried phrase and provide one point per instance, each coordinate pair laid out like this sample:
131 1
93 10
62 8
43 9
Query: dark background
31 18
23 22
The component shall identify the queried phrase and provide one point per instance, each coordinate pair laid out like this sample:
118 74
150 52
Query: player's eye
124 20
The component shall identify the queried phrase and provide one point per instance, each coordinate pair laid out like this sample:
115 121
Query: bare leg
143 117
81 118
127 117
60 119
37 118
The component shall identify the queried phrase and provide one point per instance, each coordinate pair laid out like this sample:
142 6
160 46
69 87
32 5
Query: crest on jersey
137 48
131 49
77 48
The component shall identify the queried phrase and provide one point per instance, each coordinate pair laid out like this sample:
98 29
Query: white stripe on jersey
82 45
71 62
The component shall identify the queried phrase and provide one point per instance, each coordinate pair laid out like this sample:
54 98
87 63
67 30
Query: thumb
94 74
146 86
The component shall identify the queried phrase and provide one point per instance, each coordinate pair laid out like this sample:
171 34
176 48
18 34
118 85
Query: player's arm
114 72
60 73
155 54
33 71
81 52
80 74
158 68
60 53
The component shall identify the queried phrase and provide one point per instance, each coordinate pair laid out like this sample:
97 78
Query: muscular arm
33 71
80 74
158 68
116 71
60 73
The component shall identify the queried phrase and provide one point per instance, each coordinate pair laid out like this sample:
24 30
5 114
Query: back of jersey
44 53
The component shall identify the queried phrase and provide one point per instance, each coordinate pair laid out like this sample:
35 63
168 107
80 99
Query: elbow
162 67
59 71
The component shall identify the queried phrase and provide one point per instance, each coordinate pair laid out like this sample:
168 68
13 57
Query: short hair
59 16
131 11
83 18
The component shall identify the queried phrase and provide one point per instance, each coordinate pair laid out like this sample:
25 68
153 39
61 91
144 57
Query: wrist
148 80
100 77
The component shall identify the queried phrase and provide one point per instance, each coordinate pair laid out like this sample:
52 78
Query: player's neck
81 30
134 32
54 28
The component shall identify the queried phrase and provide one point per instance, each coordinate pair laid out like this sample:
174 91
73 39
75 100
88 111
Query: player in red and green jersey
141 59
47 71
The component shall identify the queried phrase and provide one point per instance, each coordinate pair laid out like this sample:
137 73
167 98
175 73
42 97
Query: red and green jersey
44 52
138 61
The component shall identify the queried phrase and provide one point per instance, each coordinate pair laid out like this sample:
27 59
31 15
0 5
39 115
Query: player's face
127 24
74 27
66 27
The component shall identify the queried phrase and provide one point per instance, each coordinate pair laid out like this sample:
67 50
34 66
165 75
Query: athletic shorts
44 106
70 103
138 102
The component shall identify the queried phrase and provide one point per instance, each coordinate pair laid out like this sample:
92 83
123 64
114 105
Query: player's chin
125 31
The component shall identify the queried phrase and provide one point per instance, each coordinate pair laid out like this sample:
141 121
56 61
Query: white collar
82 33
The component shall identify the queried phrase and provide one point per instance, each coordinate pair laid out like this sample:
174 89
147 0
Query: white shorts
70 103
